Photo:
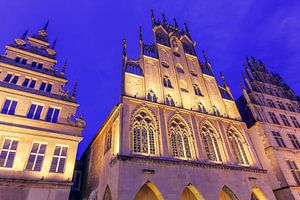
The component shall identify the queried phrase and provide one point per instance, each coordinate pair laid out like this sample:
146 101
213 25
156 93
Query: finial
164 18
124 47
186 28
204 55
254 60
74 89
175 22
152 17
223 79
63 70
24 34
46 26
140 33
54 43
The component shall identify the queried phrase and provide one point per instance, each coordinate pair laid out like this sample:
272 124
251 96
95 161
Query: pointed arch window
237 147
169 100
179 138
210 143
151 96
197 90
216 111
143 134
167 82
201 108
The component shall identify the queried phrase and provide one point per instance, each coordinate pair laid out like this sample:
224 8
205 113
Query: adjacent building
271 110
39 132
176 133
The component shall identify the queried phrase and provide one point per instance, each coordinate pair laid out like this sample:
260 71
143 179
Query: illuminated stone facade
271 111
39 132
176 133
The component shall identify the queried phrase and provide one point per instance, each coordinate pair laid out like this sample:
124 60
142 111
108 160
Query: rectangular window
33 64
8 153
295 122
18 59
278 139
9 107
281 106
49 87
26 82
285 120
24 61
35 111
40 66
52 115
32 83
291 108
59 159
295 171
294 141
271 104
273 118
43 86
36 157
15 79
7 78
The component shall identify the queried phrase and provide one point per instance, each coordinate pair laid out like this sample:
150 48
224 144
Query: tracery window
143 134
179 137
169 100
216 111
162 38
151 96
237 147
197 90
210 143
167 82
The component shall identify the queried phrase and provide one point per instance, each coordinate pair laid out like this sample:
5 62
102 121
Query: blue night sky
90 32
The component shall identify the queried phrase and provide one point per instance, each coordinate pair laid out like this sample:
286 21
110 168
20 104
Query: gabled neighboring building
39 133
271 110
176 133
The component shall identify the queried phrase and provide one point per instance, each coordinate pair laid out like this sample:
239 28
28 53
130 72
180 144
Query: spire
54 43
152 17
187 30
46 26
74 89
24 34
175 22
248 61
124 48
205 57
141 41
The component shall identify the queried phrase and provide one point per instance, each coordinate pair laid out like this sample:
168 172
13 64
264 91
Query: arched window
143 134
169 101
201 108
237 147
162 38
134 68
210 143
197 90
107 144
167 82
151 96
179 137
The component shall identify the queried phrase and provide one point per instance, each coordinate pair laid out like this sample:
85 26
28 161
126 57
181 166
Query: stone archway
148 192
190 192
227 194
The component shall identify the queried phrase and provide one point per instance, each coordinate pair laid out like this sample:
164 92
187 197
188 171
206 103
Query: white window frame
59 158
36 154
54 107
9 150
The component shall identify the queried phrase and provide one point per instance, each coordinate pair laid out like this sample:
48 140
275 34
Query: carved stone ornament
43 33
51 52
20 42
